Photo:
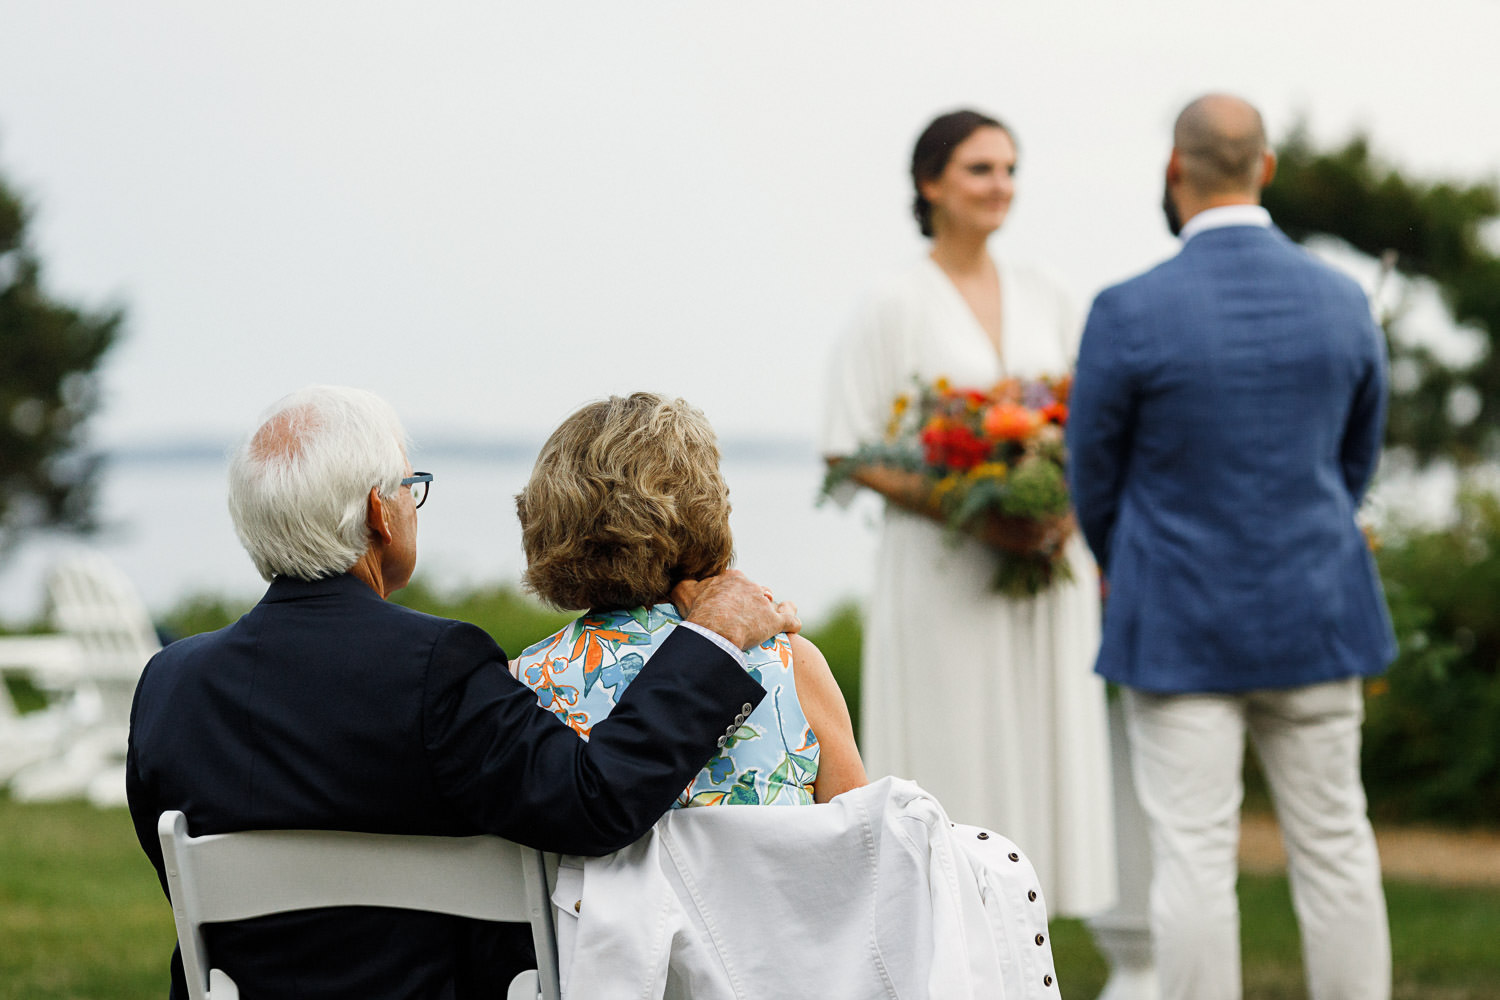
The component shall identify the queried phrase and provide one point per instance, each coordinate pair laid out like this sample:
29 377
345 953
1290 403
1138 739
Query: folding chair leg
221 987
525 986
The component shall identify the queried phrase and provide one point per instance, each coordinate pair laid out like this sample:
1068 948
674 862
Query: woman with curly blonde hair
624 503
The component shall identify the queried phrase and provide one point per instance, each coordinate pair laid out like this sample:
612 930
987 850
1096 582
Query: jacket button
1046 980
578 906
983 835
1040 940
723 740
747 708
1031 895
1014 856
739 720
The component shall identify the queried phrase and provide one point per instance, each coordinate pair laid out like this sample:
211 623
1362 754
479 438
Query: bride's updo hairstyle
934 148
625 501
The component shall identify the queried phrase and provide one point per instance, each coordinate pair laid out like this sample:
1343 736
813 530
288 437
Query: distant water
168 528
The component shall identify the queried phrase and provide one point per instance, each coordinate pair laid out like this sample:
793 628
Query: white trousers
1187 753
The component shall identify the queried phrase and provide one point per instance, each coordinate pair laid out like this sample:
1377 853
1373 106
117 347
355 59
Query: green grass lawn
82 918
81 913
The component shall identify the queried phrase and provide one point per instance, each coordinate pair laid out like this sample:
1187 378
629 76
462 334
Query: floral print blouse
580 672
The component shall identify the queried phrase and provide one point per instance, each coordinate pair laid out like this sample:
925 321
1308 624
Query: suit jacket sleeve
515 770
1360 450
1100 424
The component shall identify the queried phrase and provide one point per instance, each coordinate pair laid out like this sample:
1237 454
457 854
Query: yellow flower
988 470
901 404
942 384
945 486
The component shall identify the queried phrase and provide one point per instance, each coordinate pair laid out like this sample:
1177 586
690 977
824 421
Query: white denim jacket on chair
875 894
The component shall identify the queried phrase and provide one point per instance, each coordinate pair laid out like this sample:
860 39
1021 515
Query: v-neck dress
986 701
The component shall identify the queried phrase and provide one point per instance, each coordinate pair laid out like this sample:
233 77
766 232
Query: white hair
298 485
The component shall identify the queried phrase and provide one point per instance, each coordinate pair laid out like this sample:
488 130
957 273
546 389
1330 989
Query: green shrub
838 638
1432 732
201 613
512 619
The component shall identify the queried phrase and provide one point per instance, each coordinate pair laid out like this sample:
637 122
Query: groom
1226 420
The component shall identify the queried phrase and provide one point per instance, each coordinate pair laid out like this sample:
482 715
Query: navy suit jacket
326 707
1225 421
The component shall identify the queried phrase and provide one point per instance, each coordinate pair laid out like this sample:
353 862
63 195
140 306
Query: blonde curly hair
625 501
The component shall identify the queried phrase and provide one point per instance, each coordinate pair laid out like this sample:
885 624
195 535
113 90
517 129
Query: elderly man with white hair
326 707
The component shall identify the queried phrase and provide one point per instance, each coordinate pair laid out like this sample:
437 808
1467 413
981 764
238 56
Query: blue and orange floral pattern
580 672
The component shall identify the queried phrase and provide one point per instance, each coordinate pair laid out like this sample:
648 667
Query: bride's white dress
988 702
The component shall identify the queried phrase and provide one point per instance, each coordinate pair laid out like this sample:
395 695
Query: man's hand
731 604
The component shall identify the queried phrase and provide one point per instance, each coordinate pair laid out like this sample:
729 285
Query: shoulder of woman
899 297
912 280
1042 284
808 660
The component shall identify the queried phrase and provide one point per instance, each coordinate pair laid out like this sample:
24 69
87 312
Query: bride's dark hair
934 148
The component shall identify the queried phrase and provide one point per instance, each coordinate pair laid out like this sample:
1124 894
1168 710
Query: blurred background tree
49 353
1436 230
1432 733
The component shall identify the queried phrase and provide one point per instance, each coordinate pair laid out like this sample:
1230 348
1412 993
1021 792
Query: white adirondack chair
104 638
29 737
43 660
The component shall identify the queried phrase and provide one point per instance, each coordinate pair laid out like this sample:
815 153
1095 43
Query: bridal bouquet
992 466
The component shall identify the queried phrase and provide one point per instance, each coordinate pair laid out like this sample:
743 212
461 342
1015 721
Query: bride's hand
1025 536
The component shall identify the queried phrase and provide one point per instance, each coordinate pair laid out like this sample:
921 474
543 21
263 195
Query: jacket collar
285 588
1226 215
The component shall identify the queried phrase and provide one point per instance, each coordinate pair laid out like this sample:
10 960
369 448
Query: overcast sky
492 212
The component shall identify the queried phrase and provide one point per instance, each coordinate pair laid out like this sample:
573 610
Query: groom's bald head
1220 143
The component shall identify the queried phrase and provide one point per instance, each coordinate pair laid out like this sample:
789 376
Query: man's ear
377 516
1174 167
1267 168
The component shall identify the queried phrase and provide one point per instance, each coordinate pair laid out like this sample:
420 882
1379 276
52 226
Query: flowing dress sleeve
1047 322
866 373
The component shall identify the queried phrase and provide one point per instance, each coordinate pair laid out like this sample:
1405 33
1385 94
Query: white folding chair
235 876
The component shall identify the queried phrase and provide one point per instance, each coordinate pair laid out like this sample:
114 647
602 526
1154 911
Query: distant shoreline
736 449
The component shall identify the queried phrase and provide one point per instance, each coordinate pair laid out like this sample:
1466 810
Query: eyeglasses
418 482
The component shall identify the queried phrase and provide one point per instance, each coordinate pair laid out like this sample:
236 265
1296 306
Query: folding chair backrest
235 876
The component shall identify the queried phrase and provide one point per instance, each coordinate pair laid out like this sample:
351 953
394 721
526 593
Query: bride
988 702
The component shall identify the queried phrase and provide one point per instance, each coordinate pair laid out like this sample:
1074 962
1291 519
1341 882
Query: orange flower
1011 422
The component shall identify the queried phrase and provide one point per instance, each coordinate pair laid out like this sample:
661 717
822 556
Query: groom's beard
1174 221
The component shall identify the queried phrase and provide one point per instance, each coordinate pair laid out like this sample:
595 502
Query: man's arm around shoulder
517 771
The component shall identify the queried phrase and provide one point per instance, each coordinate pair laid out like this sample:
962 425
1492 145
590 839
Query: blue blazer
326 707
1225 421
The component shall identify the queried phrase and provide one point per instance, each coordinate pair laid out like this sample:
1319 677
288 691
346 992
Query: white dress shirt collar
1226 215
